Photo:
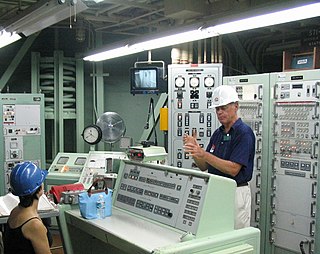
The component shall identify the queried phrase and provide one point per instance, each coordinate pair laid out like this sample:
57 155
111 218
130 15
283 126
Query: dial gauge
194 82
209 81
179 82
92 134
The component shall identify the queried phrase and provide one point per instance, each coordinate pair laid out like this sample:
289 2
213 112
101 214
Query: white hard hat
223 95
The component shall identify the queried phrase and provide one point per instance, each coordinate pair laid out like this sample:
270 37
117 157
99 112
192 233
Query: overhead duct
182 9
42 15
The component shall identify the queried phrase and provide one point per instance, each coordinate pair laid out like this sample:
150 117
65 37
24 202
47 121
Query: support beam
16 60
58 103
79 104
99 89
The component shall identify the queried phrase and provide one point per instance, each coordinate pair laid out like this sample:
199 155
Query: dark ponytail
26 201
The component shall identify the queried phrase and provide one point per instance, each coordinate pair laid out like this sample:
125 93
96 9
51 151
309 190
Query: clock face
179 82
209 81
194 82
92 134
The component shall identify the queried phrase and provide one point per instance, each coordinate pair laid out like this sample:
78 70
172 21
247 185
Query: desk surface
46 214
132 229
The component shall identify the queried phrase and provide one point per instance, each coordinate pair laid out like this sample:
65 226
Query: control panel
295 159
147 154
66 168
100 163
253 93
190 90
22 135
188 200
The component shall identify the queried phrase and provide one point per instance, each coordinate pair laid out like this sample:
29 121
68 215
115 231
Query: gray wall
132 108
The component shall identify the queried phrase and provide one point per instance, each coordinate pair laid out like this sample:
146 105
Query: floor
56 247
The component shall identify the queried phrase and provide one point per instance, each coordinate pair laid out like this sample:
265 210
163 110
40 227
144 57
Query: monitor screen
80 161
63 160
145 80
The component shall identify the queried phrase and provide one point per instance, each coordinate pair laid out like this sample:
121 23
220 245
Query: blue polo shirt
238 145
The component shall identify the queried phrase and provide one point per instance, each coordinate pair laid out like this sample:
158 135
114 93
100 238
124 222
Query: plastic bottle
100 207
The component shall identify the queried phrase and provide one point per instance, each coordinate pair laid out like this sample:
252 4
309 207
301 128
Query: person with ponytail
25 232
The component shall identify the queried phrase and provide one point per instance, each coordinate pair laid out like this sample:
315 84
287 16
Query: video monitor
146 80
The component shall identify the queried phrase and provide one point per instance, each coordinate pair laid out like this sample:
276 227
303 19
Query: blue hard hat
26 178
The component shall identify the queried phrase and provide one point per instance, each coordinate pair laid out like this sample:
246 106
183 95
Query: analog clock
92 134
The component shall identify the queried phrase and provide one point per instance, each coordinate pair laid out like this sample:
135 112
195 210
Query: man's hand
194 150
189 140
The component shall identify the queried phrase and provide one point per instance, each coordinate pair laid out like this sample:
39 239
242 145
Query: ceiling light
8 38
274 18
111 53
42 15
150 44
172 40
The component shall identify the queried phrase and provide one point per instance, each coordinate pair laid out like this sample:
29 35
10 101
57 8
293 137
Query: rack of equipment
22 133
294 161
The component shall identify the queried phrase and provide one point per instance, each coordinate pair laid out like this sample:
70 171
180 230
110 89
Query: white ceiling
140 17
134 18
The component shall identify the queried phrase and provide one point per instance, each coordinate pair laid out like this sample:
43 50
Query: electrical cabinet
190 88
22 133
283 111
253 93
294 122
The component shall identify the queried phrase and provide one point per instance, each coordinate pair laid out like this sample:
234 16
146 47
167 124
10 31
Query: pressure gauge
179 82
209 81
92 134
194 82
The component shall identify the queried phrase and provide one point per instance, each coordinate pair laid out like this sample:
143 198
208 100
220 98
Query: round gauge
209 81
92 134
179 82
194 82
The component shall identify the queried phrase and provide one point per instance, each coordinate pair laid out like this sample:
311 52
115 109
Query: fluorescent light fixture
42 15
8 38
108 54
172 40
274 18
150 44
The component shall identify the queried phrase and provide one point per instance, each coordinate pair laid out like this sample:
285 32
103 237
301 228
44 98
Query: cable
154 125
148 117
301 246
151 111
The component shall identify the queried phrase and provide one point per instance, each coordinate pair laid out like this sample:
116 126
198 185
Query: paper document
10 201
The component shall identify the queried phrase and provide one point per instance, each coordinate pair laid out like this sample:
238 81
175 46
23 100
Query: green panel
22 132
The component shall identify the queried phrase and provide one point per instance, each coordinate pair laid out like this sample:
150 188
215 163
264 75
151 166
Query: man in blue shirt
230 152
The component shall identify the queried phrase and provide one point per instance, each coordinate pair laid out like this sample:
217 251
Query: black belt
242 184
